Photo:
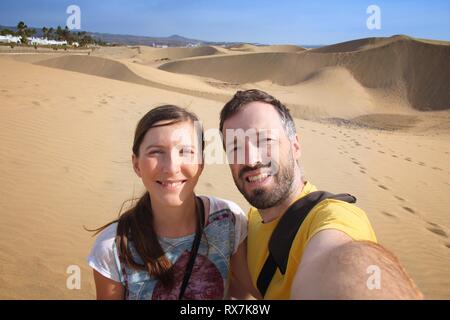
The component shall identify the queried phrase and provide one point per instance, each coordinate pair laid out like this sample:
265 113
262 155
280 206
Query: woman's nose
172 162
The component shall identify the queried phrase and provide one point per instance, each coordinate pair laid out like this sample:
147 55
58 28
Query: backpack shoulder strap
284 233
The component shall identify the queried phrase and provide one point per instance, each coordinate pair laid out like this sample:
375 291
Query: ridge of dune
421 69
121 71
361 44
268 48
148 55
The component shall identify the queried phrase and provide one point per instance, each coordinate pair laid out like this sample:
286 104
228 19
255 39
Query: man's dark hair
241 98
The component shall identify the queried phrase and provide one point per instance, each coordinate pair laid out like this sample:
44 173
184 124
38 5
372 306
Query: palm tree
59 33
45 32
22 31
50 33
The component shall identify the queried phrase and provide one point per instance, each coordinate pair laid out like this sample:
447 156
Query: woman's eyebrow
154 146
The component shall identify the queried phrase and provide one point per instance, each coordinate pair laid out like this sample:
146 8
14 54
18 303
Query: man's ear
296 149
136 168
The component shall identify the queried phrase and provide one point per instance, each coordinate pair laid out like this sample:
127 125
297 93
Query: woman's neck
174 222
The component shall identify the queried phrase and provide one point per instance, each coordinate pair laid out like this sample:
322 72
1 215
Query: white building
45 42
10 39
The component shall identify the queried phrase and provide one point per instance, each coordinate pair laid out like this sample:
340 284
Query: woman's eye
154 152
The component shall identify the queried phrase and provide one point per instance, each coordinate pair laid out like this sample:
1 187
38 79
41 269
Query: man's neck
273 213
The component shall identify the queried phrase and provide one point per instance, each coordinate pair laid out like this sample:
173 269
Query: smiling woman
172 244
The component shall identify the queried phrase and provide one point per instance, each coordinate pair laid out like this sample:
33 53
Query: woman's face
169 162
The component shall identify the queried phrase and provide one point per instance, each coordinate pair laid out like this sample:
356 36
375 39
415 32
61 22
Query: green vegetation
59 34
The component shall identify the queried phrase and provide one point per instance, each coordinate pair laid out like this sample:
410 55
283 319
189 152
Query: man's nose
253 155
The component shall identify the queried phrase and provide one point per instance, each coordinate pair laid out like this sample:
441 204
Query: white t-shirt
225 230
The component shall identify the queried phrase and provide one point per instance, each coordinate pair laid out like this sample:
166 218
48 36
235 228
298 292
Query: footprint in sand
433 224
374 179
362 171
72 98
4 90
88 111
379 151
437 168
408 159
388 214
422 164
399 198
394 156
438 231
383 187
209 185
104 101
409 210
356 162
36 103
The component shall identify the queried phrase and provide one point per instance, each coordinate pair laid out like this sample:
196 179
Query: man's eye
154 152
186 151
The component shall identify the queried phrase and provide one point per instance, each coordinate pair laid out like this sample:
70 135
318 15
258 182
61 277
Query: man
270 178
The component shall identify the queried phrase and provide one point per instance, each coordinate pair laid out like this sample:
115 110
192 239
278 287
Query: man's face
263 163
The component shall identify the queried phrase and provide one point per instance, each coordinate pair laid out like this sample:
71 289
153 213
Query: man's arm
241 286
334 266
308 279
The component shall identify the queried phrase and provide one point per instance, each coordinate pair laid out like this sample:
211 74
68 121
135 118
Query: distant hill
126 39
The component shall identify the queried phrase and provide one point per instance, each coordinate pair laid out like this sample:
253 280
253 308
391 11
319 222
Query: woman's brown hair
136 224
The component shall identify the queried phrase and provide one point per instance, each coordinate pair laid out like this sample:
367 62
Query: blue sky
261 21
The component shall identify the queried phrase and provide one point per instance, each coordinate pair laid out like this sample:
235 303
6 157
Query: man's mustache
259 165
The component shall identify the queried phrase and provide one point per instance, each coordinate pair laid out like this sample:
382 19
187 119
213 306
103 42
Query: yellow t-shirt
328 214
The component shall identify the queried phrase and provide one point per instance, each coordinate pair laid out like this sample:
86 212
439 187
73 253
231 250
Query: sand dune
421 70
149 55
68 121
116 70
360 44
271 48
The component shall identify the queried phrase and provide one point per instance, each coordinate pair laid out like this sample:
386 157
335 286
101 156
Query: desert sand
372 114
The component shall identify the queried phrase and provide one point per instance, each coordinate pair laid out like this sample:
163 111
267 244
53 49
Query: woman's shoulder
218 204
107 234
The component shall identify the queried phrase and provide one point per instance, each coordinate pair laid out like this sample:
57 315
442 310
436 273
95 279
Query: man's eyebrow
232 143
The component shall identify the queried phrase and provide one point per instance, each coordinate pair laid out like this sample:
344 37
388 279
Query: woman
171 244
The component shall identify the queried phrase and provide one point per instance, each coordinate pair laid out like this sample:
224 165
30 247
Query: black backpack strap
284 233
196 243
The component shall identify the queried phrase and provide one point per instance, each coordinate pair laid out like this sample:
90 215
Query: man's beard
263 198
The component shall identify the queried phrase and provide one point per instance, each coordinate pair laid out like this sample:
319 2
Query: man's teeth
258 178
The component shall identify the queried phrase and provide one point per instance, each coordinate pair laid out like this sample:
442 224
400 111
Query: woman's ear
136 168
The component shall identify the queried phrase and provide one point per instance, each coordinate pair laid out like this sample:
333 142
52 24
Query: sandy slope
417 70
271 48
66 139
